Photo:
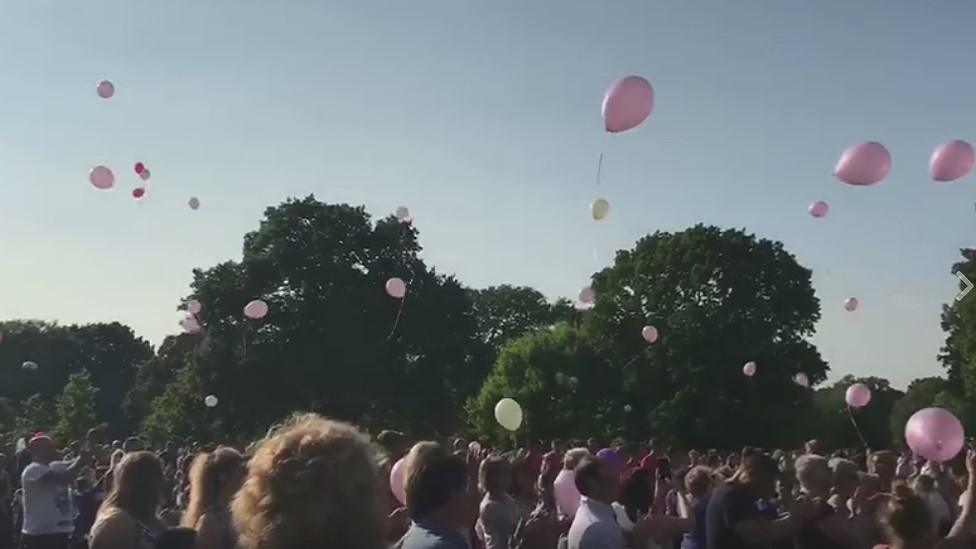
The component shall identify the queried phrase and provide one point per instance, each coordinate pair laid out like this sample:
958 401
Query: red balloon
140 167
138 192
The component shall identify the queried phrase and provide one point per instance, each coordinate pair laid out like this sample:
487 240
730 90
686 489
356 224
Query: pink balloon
101 177
256 309
193 202
858 395
194 307
802 380
565 492
649 333
866 163
586 295
627 103
851 304
105 89
398 479
819 208
396 287
934 434
952 161
749 369
191 325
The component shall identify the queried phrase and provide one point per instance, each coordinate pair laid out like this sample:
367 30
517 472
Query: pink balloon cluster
934 434
858 395
627 103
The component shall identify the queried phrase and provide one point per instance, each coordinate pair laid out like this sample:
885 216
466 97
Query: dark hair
587 471
635 493
906 516
433 476
177 538
136 484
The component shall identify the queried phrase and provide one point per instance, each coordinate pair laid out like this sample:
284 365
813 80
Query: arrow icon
965 291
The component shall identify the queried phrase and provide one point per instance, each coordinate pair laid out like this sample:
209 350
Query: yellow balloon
509 414
600 208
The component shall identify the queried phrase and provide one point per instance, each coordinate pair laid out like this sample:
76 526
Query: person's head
593 444
495 475
170 446
393 444
813 474
556 445
311 483
884 464
845 475
758 473
42 448
547 476
814 447
870 484
924 485
573 457
652 445
116 445
133 444
136 486
460 445
698 481
214 478
596 480
437 487
635 492
907 520
694 457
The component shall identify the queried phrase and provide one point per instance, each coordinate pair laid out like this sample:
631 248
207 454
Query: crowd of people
317 483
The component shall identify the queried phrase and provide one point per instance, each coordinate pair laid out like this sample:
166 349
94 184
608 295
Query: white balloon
508 413
599 209
210 401
29 365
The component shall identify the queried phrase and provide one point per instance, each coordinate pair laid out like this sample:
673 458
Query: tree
334 342
506 312
719 299
36 414
76 407
959 352
179 412
830 421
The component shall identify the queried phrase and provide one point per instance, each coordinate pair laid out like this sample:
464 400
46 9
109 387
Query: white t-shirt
47 506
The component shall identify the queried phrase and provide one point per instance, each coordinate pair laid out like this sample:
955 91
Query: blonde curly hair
312 483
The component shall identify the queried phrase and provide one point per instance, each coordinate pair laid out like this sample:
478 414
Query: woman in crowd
127 518
542 528
312 484
214 479
635 503
698 483
499 512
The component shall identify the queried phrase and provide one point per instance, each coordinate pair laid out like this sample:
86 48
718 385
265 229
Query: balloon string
599 169
857 429
396 322
631 361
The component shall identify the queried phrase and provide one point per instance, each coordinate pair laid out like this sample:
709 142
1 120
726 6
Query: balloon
612 458
934 434
398 479
194 307
866 163
193 202
627 103
858 395
140 167
29 365
851 303
101 177
396 287
819 209
749 369
138 192
403 214
952 161
802 380
628 408
565 492
145 175
210 401
573 381
599 209
649 333
508 413
586 295
105 89
474 447
256 309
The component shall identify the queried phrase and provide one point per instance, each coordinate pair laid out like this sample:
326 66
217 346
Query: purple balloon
866 163
858 395
627 103
819 208
934 434
952 161
101 177
612 458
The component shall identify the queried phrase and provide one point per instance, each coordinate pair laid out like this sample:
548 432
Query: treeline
435 363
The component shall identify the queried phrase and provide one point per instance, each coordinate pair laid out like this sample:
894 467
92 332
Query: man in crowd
595 524
48 513
440 500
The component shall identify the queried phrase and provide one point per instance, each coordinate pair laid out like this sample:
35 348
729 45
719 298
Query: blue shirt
427 535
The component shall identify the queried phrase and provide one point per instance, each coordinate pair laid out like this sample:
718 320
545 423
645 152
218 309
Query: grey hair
843 468
573 457
812 471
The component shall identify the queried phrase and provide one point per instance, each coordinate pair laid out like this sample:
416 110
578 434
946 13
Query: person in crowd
909 524
595 524
214 479
924 486
651 460
48 515
522 484
312 483
127 518
634 504
884 464
733 520
442 504
814 447
499 512
87 498
6 506
828 529
542 528
845 484
698 483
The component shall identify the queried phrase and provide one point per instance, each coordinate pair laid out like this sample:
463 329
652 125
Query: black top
810 537
729 505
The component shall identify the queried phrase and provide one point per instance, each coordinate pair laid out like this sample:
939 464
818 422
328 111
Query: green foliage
36 414
179 413
921 393
506 312
830 420
75 407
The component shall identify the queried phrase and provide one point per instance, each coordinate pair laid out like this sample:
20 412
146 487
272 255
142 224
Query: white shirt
47 506
595 527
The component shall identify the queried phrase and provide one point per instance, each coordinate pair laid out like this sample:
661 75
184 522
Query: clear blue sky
483 118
